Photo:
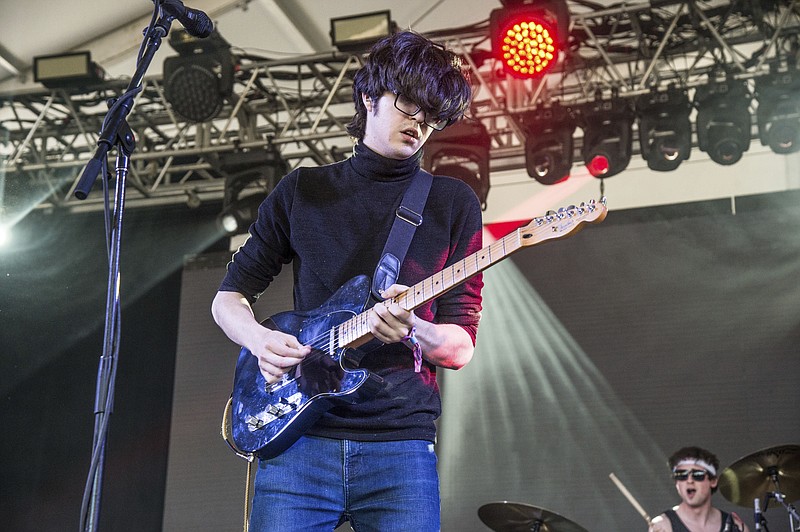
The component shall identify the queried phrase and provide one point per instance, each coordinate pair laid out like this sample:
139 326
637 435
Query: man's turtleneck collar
372 165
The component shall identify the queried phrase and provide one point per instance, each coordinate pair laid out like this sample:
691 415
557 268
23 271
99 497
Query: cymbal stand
794 517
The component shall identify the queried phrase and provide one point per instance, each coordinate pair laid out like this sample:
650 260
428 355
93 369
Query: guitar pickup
275 386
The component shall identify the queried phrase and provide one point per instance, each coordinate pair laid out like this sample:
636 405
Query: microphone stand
115 133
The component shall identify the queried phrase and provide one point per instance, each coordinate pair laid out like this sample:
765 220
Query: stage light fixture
665 132
66 70
526 37
242 169
461 150
238 216
359 32
607 136
193 200
198 80
549 143
778 112
723 120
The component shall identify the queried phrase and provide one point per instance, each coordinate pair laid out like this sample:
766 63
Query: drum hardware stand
761 521
744 481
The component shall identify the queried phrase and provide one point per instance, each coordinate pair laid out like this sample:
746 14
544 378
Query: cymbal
518 517
774 469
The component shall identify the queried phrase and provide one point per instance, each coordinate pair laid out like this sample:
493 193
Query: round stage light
528 47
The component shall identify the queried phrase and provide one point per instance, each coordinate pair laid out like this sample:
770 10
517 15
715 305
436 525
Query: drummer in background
695 473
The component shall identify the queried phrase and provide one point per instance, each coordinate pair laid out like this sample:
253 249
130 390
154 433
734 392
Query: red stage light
528 47
526 38
598 166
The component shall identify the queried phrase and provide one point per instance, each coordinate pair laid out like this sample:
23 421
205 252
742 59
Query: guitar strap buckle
409 216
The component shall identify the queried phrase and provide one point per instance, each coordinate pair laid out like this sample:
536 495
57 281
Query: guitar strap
408 217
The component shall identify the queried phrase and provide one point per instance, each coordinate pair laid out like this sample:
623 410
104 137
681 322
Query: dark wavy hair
696 453
409 64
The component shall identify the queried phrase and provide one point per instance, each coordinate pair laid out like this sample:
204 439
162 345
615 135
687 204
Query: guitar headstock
562 223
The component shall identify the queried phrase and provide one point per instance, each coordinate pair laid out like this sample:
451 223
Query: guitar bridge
285 405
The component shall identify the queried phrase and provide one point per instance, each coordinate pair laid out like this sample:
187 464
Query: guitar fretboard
555 225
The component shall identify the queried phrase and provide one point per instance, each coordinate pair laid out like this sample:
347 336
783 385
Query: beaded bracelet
410 340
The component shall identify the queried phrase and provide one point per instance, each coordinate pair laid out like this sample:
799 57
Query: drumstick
630 498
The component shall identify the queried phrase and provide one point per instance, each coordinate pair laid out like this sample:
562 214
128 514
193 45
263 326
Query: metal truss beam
300 106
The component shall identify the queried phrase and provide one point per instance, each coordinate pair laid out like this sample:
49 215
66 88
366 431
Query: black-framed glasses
698 475
409 108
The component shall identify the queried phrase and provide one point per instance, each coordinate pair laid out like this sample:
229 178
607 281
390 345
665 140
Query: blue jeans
319 483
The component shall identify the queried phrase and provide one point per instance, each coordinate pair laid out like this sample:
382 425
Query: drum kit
769 476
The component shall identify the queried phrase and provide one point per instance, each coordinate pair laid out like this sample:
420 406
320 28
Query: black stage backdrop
599 354
52 296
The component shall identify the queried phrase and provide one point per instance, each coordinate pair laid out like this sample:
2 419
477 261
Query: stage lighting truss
549 143
303 103
778 112
607 136
199 80
461 150
723 120
526 37
665 132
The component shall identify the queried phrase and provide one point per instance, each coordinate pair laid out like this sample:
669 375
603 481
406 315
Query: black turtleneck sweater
331 222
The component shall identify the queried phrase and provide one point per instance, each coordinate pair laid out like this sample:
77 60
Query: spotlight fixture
461 150
607 137
243 169
70 70
665 133
359 32
723 120
548 143
526 37
200 78
237 217
778 112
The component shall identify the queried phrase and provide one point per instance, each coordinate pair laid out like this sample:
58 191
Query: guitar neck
355 331
560 224
439 283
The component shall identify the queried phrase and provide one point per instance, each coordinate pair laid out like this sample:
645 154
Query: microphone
757 513
196 23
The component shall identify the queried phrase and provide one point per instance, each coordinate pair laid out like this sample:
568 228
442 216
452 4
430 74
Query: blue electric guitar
265 419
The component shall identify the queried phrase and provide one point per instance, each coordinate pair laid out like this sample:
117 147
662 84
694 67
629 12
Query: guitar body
268 419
